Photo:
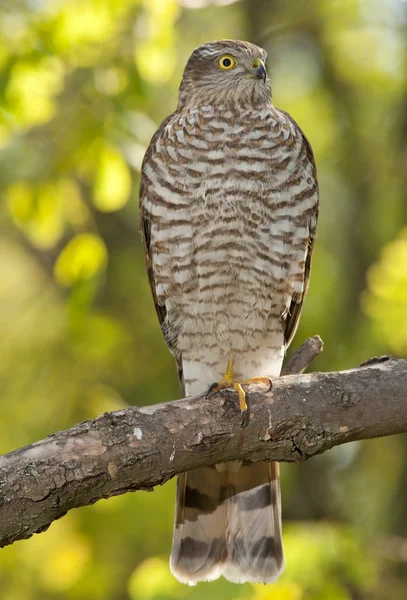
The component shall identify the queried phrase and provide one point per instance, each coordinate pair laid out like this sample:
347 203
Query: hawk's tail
228 522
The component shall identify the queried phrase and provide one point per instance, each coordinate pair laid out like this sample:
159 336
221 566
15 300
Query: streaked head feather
203 82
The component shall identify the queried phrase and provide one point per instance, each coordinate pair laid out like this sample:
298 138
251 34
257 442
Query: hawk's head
227 72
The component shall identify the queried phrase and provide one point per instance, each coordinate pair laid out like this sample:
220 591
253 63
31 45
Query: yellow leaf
385 299
156 63
65 567
20 199
82 258
31 90
37 212
281 590
155 53
152 578
58 559
113 181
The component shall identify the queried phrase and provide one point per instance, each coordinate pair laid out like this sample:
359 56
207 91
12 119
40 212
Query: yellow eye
226 62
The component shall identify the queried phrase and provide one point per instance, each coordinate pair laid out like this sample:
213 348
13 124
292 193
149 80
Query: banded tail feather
228 522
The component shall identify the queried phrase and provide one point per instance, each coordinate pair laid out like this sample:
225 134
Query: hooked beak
259 70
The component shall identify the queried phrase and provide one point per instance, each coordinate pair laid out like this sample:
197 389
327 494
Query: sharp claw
229 383
243 423
212 388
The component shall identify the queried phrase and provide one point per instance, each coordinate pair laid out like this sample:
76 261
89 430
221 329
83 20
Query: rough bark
138 448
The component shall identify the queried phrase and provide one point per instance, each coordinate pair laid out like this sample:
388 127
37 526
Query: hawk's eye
226 62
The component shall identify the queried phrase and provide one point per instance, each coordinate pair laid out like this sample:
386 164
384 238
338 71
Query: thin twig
304 356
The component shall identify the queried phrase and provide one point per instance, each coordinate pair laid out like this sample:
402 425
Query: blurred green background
84 84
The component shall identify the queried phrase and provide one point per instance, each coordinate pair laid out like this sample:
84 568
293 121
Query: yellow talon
228 376
227 381
242 396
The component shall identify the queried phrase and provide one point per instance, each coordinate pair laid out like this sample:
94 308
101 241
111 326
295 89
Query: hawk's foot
228 382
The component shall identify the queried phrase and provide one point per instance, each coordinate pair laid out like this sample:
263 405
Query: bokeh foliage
84 84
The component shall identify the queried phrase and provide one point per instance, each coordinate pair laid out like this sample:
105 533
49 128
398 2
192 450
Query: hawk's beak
259 70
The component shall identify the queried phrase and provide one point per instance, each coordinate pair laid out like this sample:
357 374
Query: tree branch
304 356
139 448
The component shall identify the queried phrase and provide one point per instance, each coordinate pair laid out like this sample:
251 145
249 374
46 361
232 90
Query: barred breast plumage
229 208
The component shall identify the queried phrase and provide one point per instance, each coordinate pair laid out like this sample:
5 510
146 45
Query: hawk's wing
145 231
293 316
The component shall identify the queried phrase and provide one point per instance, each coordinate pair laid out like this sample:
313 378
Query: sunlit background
84 84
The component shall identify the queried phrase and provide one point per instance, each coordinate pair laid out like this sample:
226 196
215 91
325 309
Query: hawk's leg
228 381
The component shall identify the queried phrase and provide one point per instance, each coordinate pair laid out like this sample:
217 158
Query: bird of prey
228 211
